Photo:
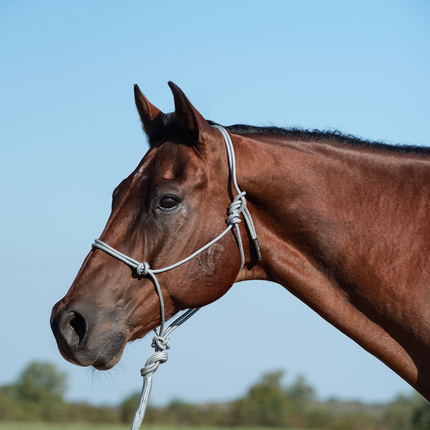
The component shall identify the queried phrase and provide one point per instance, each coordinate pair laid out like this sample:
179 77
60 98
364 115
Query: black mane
167 124
331 136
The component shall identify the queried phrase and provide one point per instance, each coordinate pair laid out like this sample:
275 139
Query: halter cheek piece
160 342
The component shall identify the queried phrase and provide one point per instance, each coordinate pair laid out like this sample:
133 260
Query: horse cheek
205 279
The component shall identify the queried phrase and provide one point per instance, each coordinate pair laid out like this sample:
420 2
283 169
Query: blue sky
69 133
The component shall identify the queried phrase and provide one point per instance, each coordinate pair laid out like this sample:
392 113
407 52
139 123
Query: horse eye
168 203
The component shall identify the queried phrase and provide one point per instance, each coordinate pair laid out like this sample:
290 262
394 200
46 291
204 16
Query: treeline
270 404
38 395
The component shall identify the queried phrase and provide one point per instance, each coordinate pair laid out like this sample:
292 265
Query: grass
60 426
64 426
76 426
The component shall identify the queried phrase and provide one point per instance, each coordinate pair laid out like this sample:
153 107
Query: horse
342 223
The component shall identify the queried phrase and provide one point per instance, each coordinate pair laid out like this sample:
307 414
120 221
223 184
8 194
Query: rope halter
161 342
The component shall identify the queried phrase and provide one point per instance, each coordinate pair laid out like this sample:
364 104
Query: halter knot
161 343
153 362
142 268
235 208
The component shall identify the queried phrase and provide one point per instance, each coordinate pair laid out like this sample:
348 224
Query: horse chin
106 365
102 356
111 354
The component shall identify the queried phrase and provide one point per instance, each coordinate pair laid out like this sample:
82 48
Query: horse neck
319 198
334 228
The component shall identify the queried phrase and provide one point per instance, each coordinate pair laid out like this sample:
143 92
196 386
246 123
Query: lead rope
161 342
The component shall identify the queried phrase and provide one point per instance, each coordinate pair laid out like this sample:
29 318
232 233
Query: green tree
36 395
302 398
128 407
184 413
41 383
266 404
398 414
420 416
300 391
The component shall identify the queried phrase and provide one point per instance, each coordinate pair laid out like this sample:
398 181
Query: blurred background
69 133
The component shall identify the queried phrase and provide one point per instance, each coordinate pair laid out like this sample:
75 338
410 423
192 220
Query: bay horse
342 223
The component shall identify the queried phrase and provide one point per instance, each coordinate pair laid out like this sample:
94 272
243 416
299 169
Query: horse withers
343 224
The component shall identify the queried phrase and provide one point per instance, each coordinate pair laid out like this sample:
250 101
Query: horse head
173 203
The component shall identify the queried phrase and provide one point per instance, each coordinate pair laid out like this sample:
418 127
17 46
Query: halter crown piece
161 342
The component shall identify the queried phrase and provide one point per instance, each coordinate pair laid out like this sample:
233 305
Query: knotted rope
161 342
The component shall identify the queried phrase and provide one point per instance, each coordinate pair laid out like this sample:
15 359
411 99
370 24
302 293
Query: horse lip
106 366
112 353
111 348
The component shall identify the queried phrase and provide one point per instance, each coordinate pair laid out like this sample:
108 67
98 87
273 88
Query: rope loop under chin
142 268
153 363
162 343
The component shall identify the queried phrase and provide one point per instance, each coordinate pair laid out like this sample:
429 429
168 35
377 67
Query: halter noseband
160 341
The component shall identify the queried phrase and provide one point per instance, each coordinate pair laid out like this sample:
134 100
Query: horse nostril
73 328
79 324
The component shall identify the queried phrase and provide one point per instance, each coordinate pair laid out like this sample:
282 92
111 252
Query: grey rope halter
160 342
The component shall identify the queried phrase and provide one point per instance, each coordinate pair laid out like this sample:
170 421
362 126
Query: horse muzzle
85 339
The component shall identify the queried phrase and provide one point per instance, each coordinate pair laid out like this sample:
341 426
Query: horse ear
197 129
146 110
